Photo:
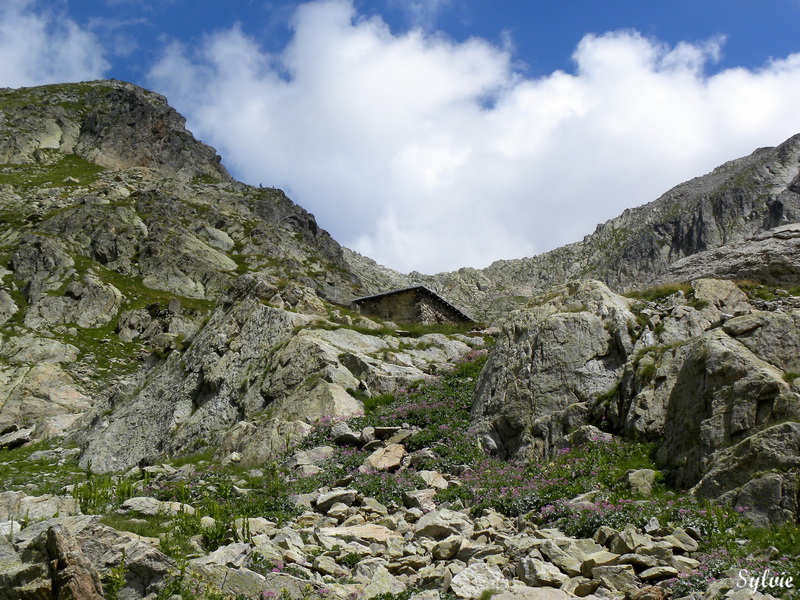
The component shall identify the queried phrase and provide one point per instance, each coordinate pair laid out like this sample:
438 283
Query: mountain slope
733 203
149 303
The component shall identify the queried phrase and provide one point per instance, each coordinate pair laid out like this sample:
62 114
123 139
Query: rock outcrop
110 123
712 390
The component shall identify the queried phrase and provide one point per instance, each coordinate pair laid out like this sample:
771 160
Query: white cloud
422 13
39 46
430 154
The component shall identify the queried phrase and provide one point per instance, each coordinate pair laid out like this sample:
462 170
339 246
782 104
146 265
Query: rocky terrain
190 408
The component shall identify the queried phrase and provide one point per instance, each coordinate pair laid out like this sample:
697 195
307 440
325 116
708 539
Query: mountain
140 280
736 202
168 335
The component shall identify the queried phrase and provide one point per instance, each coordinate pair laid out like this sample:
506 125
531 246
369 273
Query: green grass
661 292
138 295
29 176
790 376
18 470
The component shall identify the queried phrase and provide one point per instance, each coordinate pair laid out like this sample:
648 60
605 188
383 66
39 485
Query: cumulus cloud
38 46
429 154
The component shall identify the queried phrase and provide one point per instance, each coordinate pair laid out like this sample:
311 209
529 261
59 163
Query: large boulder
83 550
40 395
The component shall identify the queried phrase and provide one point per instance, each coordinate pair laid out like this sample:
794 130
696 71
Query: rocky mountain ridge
736 202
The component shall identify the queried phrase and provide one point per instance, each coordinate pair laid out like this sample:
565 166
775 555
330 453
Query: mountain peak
111 123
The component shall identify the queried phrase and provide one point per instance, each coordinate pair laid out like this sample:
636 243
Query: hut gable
416 304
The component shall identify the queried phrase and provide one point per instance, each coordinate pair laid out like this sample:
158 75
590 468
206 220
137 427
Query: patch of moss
103 348
790 376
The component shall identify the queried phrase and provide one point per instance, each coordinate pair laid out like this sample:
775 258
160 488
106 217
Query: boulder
476 579
21 507
388 458
72 573
145 505
342 495
101 546
640 481
538 573
443 523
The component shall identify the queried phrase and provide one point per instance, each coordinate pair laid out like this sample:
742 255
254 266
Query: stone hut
416 304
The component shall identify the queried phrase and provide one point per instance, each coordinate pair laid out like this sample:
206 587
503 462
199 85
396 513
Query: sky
431 135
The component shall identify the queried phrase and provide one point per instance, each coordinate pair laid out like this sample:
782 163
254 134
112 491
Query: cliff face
110 123
703 374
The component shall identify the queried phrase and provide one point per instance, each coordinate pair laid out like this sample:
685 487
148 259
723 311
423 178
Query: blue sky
544 33
435 134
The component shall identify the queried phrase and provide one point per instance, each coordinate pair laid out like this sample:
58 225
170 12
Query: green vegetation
790 376
541 491
661 292
69 171
38 466
757 290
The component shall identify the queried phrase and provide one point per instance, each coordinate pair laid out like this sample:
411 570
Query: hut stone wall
395 307
409 306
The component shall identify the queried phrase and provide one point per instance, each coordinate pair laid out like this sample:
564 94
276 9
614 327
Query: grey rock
338 495
89 303
422 499
312 456
231 555
27 349
145 505
475 579
533 593
447 548
579 342
658 573
538 573
73 574
640 481
601 558
344 436
618 578
8 307
443 523
737 474
388 458
21 507
383 582
17 438
103 547
568 558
